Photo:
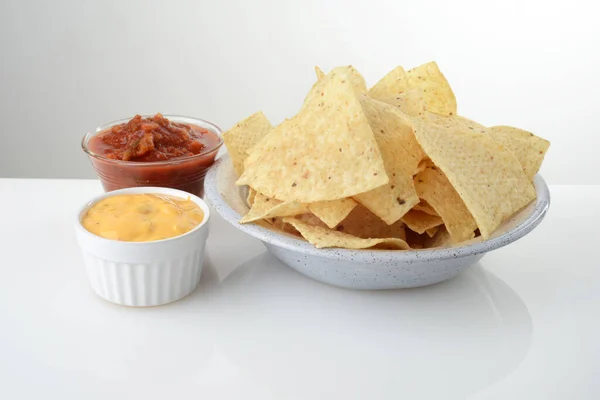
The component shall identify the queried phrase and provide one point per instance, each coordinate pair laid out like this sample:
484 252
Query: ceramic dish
367 269
144 273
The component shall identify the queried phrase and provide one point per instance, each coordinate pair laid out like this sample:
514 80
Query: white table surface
522 324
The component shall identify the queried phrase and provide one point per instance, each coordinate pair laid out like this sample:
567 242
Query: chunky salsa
151 139
154 151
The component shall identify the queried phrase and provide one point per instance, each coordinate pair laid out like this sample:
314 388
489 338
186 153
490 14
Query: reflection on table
298 337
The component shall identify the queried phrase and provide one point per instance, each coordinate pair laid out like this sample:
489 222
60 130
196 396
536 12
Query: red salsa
156 151
151 139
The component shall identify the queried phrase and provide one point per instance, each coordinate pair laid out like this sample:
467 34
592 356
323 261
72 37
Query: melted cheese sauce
142 217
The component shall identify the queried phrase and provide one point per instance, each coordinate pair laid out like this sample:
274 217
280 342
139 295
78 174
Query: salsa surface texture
151 139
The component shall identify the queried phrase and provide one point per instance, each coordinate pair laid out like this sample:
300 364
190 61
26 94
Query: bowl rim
210 126
141 190
283 240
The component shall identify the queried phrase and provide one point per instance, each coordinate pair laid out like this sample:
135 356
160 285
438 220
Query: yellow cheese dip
142 217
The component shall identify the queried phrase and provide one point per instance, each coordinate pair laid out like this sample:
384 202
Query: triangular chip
466 123
332 212
432 231
322 237
363 223
350 74
311 219
435 189
264 207
433 186
419 221
416 240
251 196
401 154
244 135
437 92
456 122
422 165
487 177
528 148
261 141
326 152
357 80
391 85
319 72
441 238
393 89
278 223
411 102
360 222
425 207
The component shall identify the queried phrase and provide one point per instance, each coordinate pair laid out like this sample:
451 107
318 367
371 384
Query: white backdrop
68 66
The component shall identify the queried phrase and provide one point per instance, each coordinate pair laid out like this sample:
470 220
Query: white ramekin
143 274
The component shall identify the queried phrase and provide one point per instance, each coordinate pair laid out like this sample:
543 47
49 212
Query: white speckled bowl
367 269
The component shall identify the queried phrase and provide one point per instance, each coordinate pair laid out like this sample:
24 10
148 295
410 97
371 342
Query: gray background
69 66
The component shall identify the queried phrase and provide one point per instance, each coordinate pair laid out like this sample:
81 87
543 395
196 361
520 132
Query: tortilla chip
277 223
439 98
326 152
411 102
421 166
361 223
419 221
415 240
425 207
244 135
401 155
308 218
357 80
434 188
487 177
319 72
391 85
251 196
311 219
469 124
528 148
441 238
264 207
265 223
350 74
393 89
322 237
432 231
364 224
394 167
332 212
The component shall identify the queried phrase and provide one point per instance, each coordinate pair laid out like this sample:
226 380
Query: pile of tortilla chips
392 167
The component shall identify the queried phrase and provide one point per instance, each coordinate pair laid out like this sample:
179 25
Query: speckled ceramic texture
367 269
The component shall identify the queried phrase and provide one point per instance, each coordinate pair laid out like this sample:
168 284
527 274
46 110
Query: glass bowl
184 173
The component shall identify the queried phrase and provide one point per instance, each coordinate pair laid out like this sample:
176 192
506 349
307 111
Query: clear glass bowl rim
172 117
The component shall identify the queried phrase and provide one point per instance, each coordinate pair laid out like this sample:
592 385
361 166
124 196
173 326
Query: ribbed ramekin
143 274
